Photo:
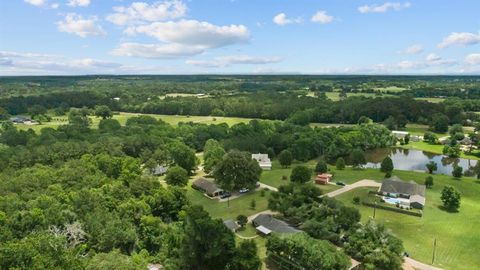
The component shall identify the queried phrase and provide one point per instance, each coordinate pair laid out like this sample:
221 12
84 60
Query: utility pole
434 249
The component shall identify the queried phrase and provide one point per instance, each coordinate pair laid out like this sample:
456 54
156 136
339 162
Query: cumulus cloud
159 51
192 32
282 19
460 38
414 49
473 59
322 17
225 61
83 27
78 3
182 38
384 7
139 12
432 57
36 2
35 63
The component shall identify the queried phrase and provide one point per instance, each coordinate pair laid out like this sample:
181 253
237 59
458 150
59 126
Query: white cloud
76 24
35 63
322 17
55 5
225 61
172 50
36 2
181 38
460 38
473 59
432 57
414 49
384 7
78 3
139 12
281 19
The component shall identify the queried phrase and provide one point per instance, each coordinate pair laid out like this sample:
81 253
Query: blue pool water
392 200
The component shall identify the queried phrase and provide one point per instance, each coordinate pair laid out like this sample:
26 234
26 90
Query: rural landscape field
239 135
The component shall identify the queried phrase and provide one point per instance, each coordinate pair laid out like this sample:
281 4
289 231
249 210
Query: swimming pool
391 200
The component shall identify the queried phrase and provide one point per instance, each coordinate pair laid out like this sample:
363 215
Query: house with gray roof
266 224
206 186
410 192
263 160
231 224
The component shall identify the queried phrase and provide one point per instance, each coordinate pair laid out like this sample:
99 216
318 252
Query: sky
77 37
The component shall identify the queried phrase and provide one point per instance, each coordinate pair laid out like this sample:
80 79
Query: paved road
361 183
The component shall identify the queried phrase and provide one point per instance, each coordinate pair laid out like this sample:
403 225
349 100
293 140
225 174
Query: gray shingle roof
232 225
206 185
395 185
273 224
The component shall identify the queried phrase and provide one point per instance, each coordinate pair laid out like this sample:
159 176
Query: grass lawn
237 206
456 233
123 117
432 100
433 148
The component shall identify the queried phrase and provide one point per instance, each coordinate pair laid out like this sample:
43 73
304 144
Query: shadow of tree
449 210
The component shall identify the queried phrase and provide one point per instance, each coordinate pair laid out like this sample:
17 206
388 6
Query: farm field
455 232
123 117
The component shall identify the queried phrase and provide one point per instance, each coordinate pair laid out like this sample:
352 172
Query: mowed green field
123 117
456 233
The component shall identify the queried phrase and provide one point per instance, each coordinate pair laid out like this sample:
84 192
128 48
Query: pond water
415 160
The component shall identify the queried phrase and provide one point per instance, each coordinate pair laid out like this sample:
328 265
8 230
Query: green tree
237 170
430 137
431 166
429 181
285 158
390 123
451 151
457 171
246 257
375 247
115 260
301 174
450 198
364 120
103 111
183 156
321 166
177 176
305 253
340 163
439 123
242 220
457 128
358 158
387 166
207 244
253 204
213 153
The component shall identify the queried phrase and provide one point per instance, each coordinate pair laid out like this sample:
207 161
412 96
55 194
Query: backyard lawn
456 233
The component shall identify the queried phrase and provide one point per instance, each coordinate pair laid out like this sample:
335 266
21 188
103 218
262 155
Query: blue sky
59 37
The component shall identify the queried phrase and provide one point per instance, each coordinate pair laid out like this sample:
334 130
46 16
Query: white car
244 190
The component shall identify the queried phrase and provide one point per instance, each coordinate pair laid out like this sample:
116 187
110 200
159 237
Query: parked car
244 190
225 195
341 183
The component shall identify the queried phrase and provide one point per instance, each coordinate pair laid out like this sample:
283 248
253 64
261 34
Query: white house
263 160
399 134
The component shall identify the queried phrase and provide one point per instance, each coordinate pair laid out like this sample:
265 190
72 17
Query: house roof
264 230
206 185
232 225
261 158
395 185
418 199
273 224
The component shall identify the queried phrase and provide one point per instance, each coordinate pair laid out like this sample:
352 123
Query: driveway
412 264
361 183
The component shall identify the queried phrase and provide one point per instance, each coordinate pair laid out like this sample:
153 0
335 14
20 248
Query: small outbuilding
323 179
208 187
399 134
231 224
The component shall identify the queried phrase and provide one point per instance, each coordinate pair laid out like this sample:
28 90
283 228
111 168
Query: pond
415 160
